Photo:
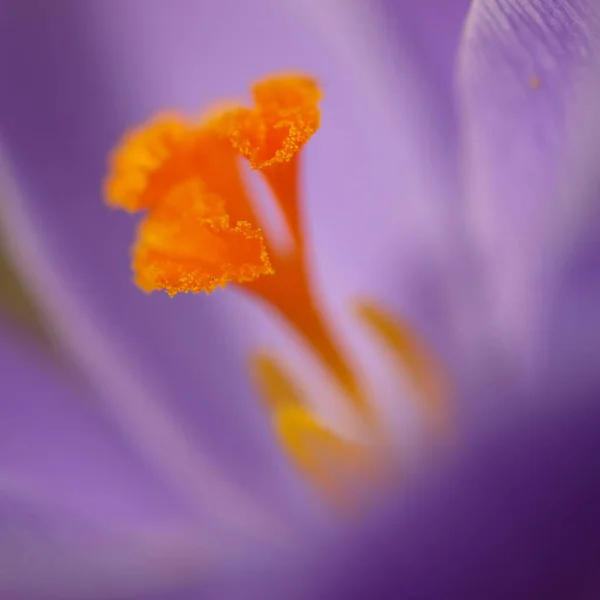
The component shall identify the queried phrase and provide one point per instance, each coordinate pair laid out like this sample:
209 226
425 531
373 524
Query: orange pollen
187 244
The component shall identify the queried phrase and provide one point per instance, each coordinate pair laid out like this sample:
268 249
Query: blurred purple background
454 180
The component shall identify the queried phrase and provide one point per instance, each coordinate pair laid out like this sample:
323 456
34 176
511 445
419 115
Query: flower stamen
333 464
330 461
412 357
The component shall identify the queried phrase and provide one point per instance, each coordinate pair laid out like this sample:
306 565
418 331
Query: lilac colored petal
573 330
79 509
431 30
50 553
525 71
514 514
399 239
55 437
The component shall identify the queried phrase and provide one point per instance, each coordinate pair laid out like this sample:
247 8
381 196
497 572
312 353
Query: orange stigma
187 243
285 117
201 228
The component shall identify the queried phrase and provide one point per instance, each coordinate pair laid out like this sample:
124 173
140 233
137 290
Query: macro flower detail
202 230
390 387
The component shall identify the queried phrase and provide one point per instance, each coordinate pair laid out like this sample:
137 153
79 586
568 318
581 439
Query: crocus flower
462 226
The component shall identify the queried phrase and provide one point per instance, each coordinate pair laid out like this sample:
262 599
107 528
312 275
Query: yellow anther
331 462
412 356
336 466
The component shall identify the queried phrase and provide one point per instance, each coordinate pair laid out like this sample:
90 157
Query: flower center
201 231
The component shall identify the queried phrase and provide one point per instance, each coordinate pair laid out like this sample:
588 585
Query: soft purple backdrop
442 182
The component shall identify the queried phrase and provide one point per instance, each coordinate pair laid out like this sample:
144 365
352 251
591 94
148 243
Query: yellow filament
276 386
331 463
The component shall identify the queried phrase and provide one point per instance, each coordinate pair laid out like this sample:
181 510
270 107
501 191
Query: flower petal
79 508
573 322
400 239
66 445
525 71
512 514
430 29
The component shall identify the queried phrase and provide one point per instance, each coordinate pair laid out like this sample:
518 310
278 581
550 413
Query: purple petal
80 510
430 30
66 446
573 321
400 239
526 71
513 514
